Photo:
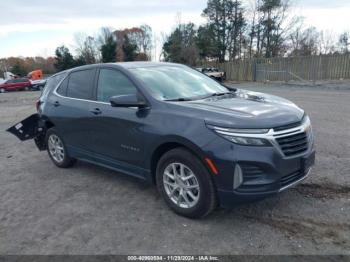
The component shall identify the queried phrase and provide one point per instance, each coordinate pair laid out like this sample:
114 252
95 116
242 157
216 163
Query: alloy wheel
181 185
56 148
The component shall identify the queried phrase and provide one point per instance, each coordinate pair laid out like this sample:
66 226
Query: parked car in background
17 84
38 84
213 72
203 144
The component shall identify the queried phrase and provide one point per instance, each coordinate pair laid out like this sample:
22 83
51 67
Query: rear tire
2 90
57 150
185 184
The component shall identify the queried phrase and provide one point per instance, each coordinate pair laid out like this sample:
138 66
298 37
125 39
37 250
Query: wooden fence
311 68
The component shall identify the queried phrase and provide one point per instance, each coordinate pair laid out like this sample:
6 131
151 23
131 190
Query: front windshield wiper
219 94
181 99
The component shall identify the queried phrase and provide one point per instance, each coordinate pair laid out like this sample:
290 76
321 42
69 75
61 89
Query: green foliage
129 49
108 50
18 69
64 59
273 14
180 46
226 22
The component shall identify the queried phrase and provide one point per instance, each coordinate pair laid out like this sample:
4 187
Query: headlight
246 137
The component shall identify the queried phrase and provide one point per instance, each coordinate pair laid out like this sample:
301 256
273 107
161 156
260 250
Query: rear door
19 84
70 110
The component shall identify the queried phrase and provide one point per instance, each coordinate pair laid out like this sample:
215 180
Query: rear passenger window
80 84
113 83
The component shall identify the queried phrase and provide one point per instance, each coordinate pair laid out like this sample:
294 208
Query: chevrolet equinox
200 142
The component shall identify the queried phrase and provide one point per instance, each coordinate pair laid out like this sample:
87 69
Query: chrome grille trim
273 135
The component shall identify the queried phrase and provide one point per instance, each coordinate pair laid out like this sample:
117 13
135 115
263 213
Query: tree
305 42
344 42
206 42
327 42
272 30
18 69
133 43
87 49
108 46
226 19
142 38
129 49
64 59
180 46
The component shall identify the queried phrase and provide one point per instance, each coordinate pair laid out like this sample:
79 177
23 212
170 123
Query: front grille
294 144
288 179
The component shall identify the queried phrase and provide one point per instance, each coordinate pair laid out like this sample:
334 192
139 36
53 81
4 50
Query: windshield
176 83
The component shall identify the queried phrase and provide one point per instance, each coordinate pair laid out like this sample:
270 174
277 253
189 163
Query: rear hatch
26 129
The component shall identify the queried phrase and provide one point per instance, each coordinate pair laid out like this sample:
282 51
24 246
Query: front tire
2 90
57 150
185 184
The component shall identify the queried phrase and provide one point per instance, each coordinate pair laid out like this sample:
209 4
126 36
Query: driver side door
118 135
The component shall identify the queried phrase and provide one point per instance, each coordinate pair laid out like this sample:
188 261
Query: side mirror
127 101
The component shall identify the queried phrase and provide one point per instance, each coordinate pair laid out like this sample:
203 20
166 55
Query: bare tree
344 42
253 13
87 49
327 42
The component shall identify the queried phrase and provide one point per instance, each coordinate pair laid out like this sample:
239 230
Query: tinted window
62 89
51 83
9 81
80 84
20 80
113 83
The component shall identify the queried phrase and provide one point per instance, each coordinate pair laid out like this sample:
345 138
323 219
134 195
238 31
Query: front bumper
266 170
265 178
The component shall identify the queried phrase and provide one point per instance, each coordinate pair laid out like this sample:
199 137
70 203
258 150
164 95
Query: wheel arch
45 124
169 144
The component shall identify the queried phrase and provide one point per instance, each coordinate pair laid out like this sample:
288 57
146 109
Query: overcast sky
37 27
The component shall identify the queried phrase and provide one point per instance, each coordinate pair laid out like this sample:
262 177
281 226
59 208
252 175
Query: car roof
141 64
125 65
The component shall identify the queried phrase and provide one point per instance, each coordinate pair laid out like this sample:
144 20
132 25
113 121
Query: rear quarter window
62 89
51 84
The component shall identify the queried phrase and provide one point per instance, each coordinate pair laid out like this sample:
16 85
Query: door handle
56 103
96 111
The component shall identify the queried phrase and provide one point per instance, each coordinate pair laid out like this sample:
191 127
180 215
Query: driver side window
113 83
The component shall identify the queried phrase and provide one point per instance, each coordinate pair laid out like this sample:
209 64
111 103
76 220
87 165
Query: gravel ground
92 210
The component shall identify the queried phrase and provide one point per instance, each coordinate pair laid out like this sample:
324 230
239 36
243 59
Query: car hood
247 109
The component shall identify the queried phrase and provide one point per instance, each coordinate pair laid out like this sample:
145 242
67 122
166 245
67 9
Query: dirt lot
91 210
